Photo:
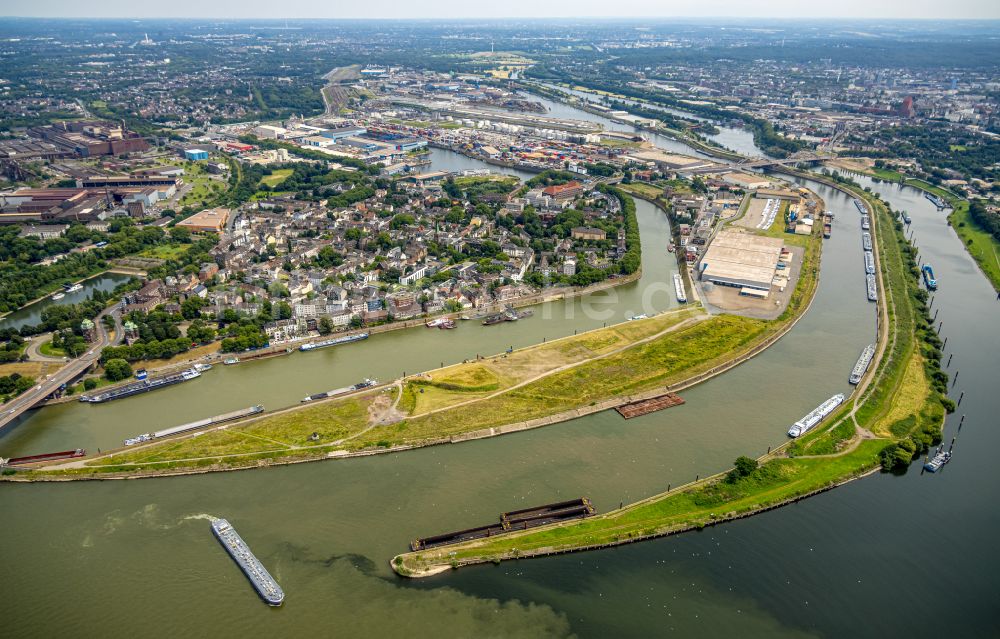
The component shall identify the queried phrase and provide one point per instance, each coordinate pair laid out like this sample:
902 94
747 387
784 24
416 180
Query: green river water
884 556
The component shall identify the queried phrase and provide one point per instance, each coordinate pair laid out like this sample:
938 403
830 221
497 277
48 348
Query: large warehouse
741 260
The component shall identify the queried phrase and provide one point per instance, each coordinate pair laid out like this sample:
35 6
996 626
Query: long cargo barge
646 406
366 383
679 289
511 521
869 263
259 577
44 457
872 288
143 386
815 416
861 367
866 240
865 223
201 423
347 339
861 206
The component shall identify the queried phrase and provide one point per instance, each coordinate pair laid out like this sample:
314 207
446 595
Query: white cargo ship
817 415
679 289
863 363
333 342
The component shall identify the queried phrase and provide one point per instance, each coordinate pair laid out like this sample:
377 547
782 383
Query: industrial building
88 138
742 260
195 155
208 221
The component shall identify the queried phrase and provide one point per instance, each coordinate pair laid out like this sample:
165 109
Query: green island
896 414
547 383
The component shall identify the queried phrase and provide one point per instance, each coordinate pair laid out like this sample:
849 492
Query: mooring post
934 319
940 324
950 355
960 396
945 345
955 381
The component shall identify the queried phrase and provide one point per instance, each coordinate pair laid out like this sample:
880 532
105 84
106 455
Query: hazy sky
504 8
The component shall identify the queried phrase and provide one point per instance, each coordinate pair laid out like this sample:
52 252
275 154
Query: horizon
389 10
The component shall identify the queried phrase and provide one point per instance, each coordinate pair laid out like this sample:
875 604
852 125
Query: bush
117 370
89 384
744 467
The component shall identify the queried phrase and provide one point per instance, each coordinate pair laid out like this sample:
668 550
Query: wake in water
201 516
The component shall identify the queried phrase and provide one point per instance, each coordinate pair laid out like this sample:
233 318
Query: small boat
58 296
229 361
75 288
493 319
437 323
141 374
641 316
201 368
446 325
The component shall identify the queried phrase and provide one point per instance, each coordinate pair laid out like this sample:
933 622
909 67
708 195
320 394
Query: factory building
742 260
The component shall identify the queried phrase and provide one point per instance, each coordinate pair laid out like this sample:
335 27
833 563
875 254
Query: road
28 400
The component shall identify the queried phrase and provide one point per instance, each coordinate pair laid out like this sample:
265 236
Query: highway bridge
797 158
24 402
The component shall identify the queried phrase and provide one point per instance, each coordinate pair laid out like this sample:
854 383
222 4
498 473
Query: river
733 138
884 556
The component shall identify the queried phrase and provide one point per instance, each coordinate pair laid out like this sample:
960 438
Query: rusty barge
511 521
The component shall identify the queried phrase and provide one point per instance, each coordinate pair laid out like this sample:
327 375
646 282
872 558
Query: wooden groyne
646 406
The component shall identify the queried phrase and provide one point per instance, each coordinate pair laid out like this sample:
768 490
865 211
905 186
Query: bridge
36 395
760 163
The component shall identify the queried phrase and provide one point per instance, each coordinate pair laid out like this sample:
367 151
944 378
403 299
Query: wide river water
885 556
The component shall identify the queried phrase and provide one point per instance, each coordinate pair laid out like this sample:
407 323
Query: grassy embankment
902 402
540 381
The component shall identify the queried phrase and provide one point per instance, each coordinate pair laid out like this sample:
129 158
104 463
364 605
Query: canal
882 556
32 314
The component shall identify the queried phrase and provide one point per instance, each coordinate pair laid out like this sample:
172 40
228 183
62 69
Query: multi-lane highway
29 399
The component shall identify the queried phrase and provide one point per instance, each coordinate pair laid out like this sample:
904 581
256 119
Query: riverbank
778 480
544 384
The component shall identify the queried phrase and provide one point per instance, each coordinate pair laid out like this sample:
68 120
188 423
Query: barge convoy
866 240
45 457
862 365
262 581
869 263
347 339
201 423
142 386
679 289
511 521
366 383
817 415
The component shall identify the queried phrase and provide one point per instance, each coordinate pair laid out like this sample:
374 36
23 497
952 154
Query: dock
511 521
646 406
